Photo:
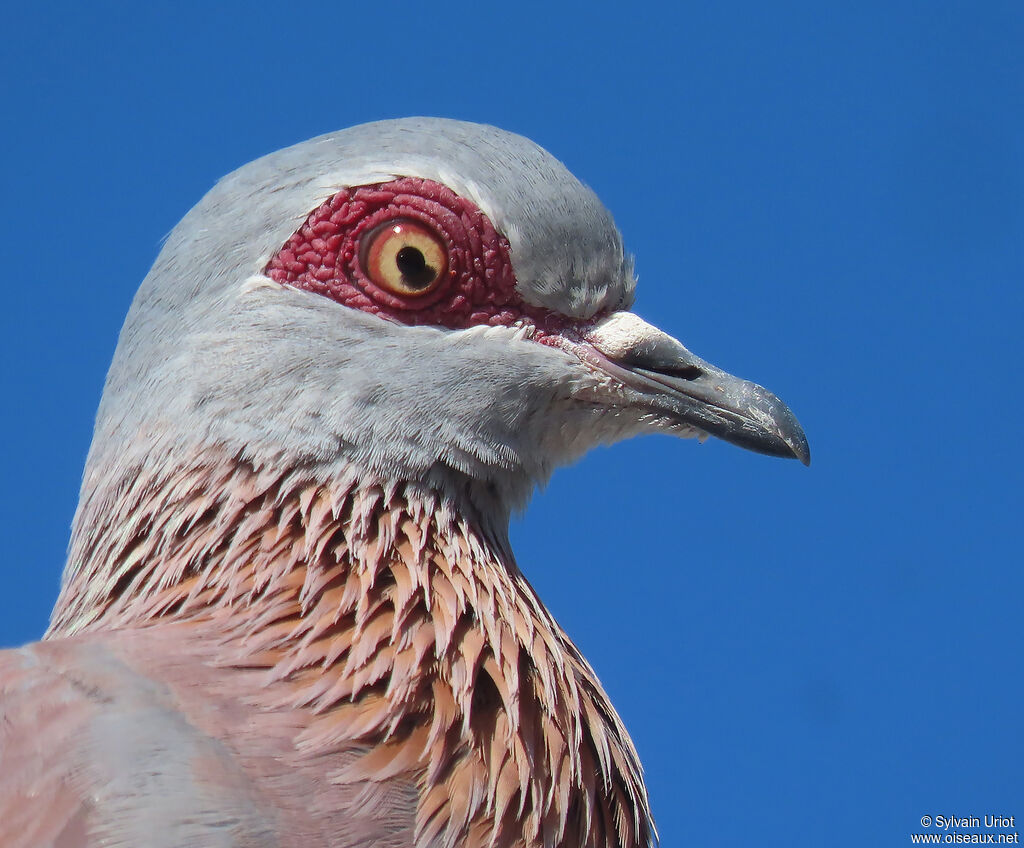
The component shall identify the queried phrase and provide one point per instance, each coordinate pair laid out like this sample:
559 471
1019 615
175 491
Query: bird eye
404 257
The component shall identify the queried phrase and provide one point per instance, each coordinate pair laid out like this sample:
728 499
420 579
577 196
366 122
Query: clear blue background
826 198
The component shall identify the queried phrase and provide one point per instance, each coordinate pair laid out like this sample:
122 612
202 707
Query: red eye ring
404 257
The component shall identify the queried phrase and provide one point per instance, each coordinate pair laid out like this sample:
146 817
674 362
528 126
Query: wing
92 753
130 740
42 717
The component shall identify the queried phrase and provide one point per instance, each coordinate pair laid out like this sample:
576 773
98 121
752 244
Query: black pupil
415 271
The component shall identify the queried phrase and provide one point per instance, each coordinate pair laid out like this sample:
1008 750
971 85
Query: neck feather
397 618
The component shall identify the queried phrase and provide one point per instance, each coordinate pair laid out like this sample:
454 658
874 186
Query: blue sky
825 198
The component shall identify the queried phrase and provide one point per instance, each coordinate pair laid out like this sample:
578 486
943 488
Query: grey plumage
204 356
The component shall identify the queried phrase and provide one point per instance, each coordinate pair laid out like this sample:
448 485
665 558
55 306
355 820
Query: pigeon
290 614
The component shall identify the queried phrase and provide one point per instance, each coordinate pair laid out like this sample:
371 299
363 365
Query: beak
666 379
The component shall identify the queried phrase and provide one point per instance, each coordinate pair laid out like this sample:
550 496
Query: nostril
682 371
666 365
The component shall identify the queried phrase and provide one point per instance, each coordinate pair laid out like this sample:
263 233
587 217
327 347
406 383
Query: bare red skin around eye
322 256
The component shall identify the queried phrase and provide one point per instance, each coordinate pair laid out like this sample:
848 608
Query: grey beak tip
790 430
802 451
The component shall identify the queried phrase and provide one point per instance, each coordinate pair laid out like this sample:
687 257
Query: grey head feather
213 354
566 249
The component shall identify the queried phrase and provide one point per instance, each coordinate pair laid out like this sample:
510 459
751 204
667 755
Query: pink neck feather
404 627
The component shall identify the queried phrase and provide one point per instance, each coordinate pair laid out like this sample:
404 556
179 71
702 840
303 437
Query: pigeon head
425 300
350 362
